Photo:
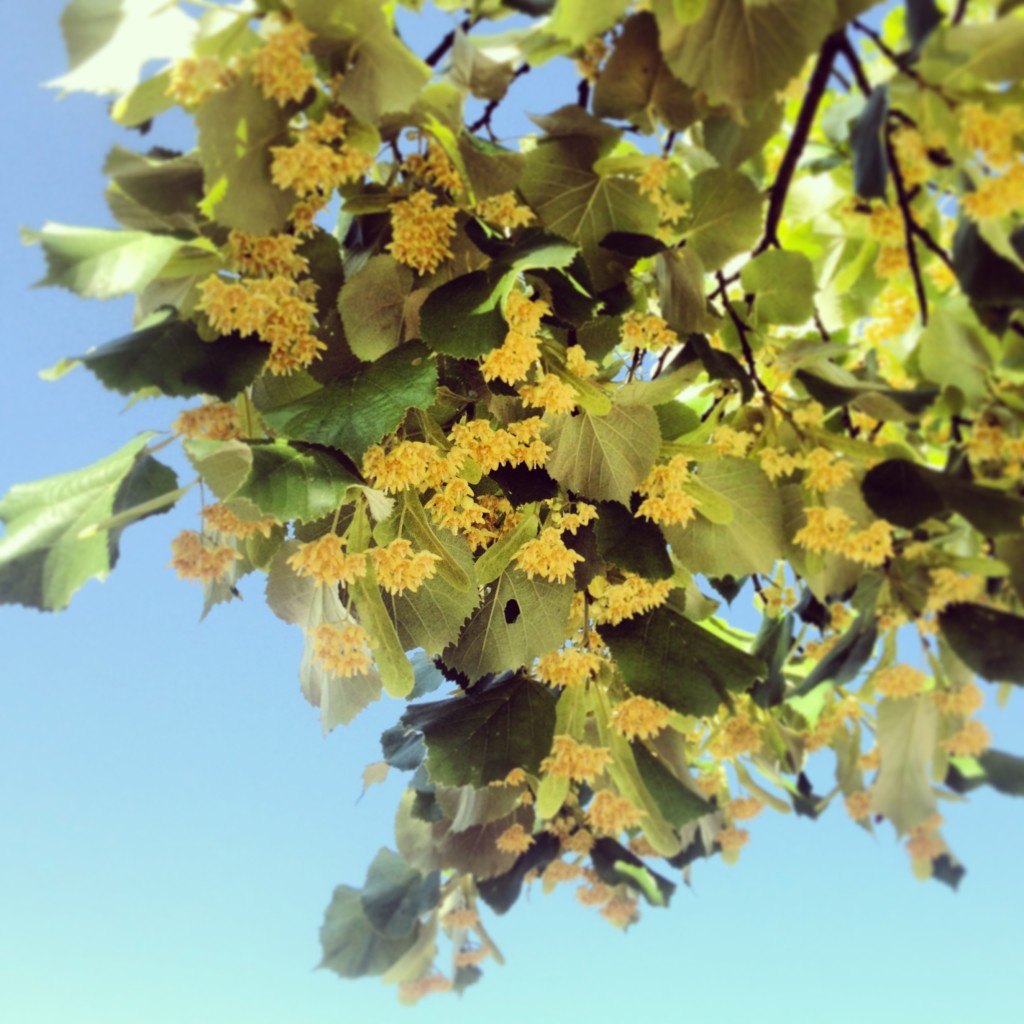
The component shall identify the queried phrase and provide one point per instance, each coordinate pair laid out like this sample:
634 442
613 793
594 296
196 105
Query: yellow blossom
470 957
407 464
550 394
588 60
220 518
399 569
647 332
580 842
214 421
326 561
195 79
577 363
422 232
912 155
568 667
435 168
504 211
310 168
640 717
991 133
893 314
621 911
777 462
871 546
899 682
266 255
739 735
732 839
609 813
997 197
278 67
484 444
461 917
547 557
858 805
342 650
455 508
515 839
570 759
196 559
559 871
965 701
634 596
594 895
743 808
973 739
727 441
511 361
827 529
949 587
823 472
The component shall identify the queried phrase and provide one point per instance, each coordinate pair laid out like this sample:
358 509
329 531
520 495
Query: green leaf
681 292
994 52
741 51
754 538
725 216
831 385
635 545
478 738
678 804
395 895
580 20
783 285
109 42
473 851
432 616
604 457
462 317
1003 771
519 620
665 656
844 661
101 264
352 947
51 546
237 127
572 200
870 156
173 357
987 641
923 17
396 673
355 413
950 353
281 479
908 730
372 307
154 193
906 494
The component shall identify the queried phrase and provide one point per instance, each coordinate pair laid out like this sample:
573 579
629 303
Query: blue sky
172 823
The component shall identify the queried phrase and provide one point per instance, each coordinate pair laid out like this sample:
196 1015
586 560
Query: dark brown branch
484 121
903 199
822 329
434 57
930 243
743 329
801 132
847 50
583 93
958 14
902 63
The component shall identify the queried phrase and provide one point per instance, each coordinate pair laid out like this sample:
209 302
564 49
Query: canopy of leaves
741 302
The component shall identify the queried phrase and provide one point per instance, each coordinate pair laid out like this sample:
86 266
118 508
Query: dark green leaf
870 159
678 804
352 947
372 307
667 657
403 749
1003 771
463 317
172 357
615 864
479 738
831 386
501 892
353 414
987 641
395 895
985 276
719 365
923 17
772 644
846 658
635 545
948 871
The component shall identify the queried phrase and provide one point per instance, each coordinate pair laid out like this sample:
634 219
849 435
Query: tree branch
902 64
903 199
958 14
847 50
484 121
805 120
743 329
434 57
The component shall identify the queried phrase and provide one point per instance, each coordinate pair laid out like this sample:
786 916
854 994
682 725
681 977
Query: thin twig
958 14
484 121
903 199
801 132
822 329
742 329
433 58
902 64
583 93
861 78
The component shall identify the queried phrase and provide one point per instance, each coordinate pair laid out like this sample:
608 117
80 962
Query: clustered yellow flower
515 839
899 682
588 60
570 759
665 501
653 183
640 717
739 735
777 462
568 667
964 701
892 315
511 361
621 911
646 331
319 161
912 155
504 211
213 421
577 363
731 840
490 447
414 464
550 393
949 587
547 556
195 79
278 310
743 808
266 255
727 441
997 196
609 813
970 741
220 518
455 508
342 650
615 602
434 167
991 133
198 560
923 842
279 67
326 561
398 568
858 804
422 232
830 529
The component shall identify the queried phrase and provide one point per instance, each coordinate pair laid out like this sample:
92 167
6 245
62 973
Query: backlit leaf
907 734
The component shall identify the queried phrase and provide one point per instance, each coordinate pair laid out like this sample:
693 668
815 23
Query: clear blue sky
172 823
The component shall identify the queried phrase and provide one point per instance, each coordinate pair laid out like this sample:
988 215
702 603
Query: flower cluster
899 682
326 561
407 464
280 68
220 518
830 529
551 394
435 168
398 568
490 447
266 255
615 602
198 560
515 839
567 667
570 759
195 79
422 232
342 650
504 210
213 421
647 332
665 501
609 813
640 718
547 556
511 361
